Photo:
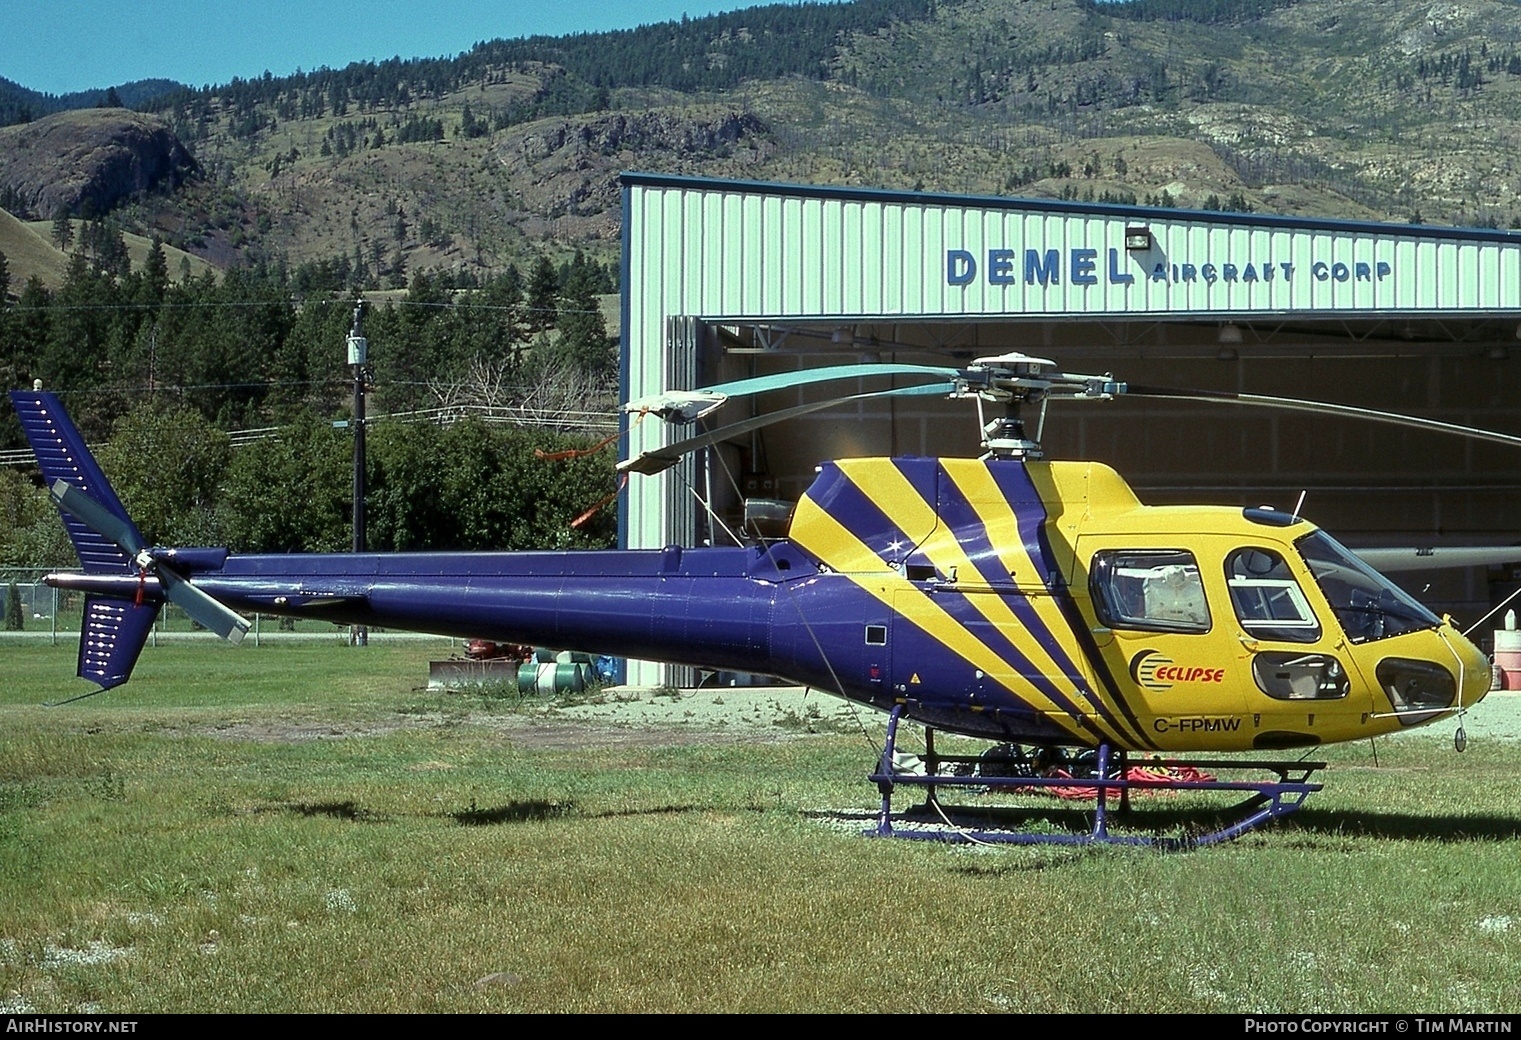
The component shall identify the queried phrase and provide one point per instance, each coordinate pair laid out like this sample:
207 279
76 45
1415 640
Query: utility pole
358 355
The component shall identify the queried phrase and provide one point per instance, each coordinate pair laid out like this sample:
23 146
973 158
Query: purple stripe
1030 515
853 507
859 514
972 533
923 475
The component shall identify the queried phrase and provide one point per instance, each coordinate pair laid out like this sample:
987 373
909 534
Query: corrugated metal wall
727 252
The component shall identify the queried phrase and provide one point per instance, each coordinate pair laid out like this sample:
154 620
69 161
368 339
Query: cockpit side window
1152 590
1268 600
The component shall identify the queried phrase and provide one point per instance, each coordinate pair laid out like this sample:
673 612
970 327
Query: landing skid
1266 799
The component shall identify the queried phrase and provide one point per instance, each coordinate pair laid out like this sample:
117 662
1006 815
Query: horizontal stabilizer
113 635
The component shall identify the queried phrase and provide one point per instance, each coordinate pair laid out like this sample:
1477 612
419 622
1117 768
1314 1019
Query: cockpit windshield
1368 605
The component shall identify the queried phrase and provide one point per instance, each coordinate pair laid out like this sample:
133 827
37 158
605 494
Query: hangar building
727 279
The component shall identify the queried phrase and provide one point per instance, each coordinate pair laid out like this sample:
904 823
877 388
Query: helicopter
1030 602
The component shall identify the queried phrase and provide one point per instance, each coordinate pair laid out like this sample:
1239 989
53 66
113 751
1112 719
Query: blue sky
66 45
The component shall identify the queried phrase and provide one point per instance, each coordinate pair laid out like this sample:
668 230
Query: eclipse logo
1157 672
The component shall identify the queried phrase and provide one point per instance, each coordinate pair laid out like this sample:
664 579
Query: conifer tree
14 617
155 273
63 230
543 296
583 331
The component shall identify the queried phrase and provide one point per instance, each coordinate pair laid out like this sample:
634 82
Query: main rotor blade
1391 560
96 516
207 612
662 459
686 405
865 370
1345 411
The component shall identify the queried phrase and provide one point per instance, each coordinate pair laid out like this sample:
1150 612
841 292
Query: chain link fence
33 609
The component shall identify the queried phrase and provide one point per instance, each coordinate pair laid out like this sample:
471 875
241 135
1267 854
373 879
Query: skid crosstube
1266 799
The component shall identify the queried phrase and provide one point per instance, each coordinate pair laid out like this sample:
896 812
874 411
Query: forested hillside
1385 110
20 104
156 369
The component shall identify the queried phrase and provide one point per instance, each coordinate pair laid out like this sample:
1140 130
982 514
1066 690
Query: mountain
20 104
30 251
29 254
1376 109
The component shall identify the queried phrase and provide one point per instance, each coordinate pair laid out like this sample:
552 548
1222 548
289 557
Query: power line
174 388
296 304
573 420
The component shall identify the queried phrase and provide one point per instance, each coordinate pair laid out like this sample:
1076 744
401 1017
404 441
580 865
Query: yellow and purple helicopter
1037 604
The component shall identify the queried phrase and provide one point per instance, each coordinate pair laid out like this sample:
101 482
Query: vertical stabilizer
112 636
62 455
114 630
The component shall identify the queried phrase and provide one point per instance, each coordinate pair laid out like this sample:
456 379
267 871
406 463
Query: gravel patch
629 717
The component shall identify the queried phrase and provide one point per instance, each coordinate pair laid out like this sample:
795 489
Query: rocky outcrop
566 171
87 161
642 133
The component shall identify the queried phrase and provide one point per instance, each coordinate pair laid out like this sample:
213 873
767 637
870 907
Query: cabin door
1166 634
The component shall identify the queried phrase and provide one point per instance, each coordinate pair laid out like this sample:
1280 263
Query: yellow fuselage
1209 693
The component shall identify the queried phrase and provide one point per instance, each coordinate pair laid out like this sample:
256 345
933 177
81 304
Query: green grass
300 828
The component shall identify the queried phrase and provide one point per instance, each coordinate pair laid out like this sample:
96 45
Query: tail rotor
205 610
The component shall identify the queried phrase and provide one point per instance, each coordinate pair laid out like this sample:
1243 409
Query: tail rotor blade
205 610
96 516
